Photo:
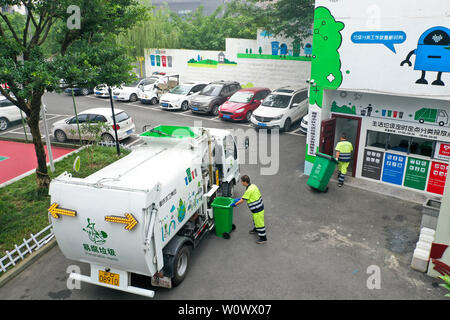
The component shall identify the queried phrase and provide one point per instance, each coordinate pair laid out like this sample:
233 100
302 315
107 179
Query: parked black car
213 96
79 91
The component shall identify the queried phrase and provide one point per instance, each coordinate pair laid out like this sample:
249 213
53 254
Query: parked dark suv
213 96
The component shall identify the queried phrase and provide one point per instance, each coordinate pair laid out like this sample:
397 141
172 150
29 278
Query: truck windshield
181 90
242 97
211 90
276 101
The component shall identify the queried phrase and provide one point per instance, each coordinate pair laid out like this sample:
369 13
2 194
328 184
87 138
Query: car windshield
121 117
276 101
133 84
181 90
5 103
242 97
211 90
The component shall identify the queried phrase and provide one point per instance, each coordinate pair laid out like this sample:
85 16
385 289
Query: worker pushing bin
322 171
223 216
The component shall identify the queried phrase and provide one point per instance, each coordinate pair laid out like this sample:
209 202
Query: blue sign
152 60
394 168
387 38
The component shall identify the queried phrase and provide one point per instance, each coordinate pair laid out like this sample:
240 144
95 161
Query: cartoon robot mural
432 54
308 50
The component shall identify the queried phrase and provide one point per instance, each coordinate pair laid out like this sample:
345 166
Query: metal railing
34 243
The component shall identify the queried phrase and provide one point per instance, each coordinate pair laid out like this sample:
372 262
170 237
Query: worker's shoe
253 231
340 184
261 241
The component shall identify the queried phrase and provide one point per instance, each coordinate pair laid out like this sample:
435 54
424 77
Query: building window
399 143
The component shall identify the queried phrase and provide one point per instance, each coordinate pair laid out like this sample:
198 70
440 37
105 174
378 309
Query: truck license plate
108 278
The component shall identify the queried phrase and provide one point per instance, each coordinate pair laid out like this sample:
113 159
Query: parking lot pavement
321 246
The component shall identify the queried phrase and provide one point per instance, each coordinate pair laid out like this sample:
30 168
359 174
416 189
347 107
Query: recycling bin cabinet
321 173
223 216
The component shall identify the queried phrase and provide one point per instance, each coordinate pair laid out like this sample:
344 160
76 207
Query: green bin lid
222 202
326 156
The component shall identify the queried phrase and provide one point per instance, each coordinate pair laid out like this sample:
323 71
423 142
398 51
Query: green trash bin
223 216
322 172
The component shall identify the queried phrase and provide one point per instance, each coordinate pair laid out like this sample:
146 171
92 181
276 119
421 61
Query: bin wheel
226 235
233 227
326 190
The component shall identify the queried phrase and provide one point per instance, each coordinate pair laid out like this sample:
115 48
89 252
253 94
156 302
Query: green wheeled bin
322 172
223 216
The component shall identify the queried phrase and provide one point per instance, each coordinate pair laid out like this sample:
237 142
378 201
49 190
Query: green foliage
289 18
201 32
446 285
157 31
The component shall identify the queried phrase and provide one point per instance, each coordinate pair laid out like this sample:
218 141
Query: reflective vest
345 149
254 199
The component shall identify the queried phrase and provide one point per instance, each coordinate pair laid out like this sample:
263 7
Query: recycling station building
381 74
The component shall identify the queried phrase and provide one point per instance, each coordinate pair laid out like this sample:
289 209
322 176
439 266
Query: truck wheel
227 189
181 264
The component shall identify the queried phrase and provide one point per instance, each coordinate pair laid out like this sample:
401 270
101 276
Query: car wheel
215 110
107 138
181 265
60 136
184 106
84 92
154 101
4 124
133 98
248 116
287 125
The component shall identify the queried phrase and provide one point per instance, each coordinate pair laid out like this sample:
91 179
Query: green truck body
431 115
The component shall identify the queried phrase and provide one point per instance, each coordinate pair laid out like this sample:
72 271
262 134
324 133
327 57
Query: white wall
259 72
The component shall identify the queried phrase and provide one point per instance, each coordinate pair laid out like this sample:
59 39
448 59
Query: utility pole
114 119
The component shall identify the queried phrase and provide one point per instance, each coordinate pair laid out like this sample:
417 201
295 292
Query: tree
288 18
30 70
202 32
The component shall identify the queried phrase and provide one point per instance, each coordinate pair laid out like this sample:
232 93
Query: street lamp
114 120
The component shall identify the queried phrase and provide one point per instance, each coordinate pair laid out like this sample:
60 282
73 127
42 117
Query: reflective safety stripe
345 157
256 206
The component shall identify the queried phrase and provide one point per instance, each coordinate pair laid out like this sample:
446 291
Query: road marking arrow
55 211
129 220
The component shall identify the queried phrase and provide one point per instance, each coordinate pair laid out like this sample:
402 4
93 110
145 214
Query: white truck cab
141 216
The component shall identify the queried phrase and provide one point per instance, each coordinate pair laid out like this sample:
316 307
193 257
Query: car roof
191 83
254 89
101 111
224 82
289 90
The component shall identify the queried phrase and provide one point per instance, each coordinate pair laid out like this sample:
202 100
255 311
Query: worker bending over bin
344 151
256 206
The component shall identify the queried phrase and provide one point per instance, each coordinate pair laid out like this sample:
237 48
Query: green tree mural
326 61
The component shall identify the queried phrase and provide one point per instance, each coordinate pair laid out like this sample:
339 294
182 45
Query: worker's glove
235 201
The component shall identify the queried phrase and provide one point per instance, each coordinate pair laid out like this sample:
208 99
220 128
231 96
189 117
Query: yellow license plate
108 278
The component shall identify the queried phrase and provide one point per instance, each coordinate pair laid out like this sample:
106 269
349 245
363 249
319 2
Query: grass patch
271 57
23 208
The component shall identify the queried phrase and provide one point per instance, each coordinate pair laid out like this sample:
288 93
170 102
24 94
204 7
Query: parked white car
130 91
304 124
281 109
9 113
163 84
180 96
101 91
67 128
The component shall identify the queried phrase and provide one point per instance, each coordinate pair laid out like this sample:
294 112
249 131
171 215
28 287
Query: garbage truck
136 221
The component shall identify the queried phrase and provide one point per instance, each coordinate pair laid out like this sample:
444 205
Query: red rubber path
21 158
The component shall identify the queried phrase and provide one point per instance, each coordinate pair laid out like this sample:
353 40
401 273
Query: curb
22 265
